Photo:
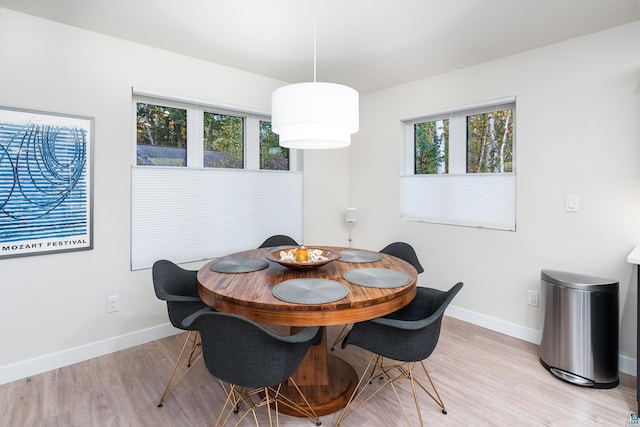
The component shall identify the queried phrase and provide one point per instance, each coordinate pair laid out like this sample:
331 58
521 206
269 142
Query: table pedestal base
329 398
326 381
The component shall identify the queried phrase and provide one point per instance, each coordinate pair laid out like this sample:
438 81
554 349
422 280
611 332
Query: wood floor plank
485 379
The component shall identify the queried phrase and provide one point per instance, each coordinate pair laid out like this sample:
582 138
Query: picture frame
46 182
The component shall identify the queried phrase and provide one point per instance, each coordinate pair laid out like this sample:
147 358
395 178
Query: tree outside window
485 147
490 142
223 141
161 135
216 137
431 147
272 155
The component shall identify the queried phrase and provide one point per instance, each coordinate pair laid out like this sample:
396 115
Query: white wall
326 194
577 133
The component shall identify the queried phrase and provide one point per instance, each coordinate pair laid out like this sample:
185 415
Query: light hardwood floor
484 378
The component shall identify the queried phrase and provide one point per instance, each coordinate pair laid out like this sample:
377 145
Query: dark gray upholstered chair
405 252
253 361
406 336
401 250
278 240
179 288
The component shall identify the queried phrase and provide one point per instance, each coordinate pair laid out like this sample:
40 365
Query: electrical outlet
113 303
532 298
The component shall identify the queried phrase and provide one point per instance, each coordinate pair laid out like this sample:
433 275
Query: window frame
246 136
163 103
195 128
457 122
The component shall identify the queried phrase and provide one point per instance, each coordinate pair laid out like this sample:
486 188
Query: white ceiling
366 44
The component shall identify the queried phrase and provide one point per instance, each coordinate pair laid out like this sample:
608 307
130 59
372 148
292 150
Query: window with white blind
208 180
459 166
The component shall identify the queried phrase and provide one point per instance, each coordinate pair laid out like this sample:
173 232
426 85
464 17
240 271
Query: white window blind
475 200
184 214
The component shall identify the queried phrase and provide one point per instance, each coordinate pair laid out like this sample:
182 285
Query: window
431 146
161 135
178 133
223 141
272 155
487 136
490 142
208 180
460 168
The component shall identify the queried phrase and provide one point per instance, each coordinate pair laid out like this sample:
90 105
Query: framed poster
45 182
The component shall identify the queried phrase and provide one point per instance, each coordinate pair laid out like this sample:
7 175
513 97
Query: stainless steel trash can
580 330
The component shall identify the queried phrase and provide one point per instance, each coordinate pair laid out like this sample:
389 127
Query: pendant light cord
314 41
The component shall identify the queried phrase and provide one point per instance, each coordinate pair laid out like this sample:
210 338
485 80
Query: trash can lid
578 281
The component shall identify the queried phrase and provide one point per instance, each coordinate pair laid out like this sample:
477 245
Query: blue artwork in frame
45 182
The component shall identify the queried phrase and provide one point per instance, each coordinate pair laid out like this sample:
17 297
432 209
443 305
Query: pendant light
314 115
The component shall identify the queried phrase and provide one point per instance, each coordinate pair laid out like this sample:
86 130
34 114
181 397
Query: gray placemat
377 277
310 291
239 265
359 256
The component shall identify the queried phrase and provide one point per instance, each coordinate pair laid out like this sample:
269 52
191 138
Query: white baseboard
507 328
626 364
48 362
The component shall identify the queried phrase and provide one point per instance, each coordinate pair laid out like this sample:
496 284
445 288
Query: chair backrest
278 240
171 280
179 288
405 252
409 334
242 352
428 302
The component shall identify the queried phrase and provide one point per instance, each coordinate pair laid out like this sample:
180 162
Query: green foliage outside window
223 141
161 135
272 155
490 142
431 147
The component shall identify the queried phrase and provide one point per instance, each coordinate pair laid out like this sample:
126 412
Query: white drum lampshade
314 115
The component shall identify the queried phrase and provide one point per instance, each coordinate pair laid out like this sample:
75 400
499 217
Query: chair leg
269 400
435 398
379 369
308 411
268 396
342 334
415 394
357 392
234 396
194 355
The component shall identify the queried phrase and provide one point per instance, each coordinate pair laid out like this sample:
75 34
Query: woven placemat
310 291
359 256
377 277
239 265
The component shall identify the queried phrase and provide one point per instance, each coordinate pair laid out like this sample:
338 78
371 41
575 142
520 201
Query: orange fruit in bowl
302 254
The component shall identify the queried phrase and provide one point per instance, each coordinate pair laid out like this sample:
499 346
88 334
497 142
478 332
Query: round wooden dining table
326 380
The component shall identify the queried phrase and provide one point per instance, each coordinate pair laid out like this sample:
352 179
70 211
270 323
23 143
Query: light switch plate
571 204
